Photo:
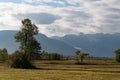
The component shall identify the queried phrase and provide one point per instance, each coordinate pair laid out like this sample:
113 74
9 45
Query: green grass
59 70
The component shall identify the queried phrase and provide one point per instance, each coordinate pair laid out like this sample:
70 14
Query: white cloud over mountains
61 17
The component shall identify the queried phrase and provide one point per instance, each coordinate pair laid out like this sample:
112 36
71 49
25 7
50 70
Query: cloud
61 17
54 3
39 18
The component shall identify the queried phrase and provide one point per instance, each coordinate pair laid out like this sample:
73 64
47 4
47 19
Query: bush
20 60
3 54
117 55
50 56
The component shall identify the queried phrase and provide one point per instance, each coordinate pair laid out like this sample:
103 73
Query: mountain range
48 44
102 45
99 45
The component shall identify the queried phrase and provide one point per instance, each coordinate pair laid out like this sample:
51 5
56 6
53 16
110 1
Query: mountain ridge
50 45
99 44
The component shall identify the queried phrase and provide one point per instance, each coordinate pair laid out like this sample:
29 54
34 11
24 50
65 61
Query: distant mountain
102 45
54 45
50 45
7 40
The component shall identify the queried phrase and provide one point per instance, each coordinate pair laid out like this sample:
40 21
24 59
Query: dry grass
62 70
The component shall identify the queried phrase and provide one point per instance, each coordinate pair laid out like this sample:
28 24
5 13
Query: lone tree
29 47
28 44
117 55
80 56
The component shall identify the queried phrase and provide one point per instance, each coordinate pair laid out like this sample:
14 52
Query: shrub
20 60
117 55
51 56
3 54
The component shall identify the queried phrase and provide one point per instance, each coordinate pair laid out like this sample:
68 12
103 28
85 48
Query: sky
62 17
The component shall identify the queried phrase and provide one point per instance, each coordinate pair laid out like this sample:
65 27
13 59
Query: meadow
64 70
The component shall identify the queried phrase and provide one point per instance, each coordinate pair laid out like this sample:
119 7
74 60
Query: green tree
26 37
3 54
80 56
29 47
117 55
19 60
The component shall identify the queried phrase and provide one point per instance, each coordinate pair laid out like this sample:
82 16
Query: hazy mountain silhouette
101 45
96 44
50 45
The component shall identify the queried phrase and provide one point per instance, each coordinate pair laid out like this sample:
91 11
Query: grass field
63 70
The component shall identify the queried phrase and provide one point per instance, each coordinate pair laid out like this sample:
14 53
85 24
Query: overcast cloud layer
61 17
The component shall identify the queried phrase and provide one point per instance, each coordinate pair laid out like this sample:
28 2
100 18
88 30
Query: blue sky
62 17
14 1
